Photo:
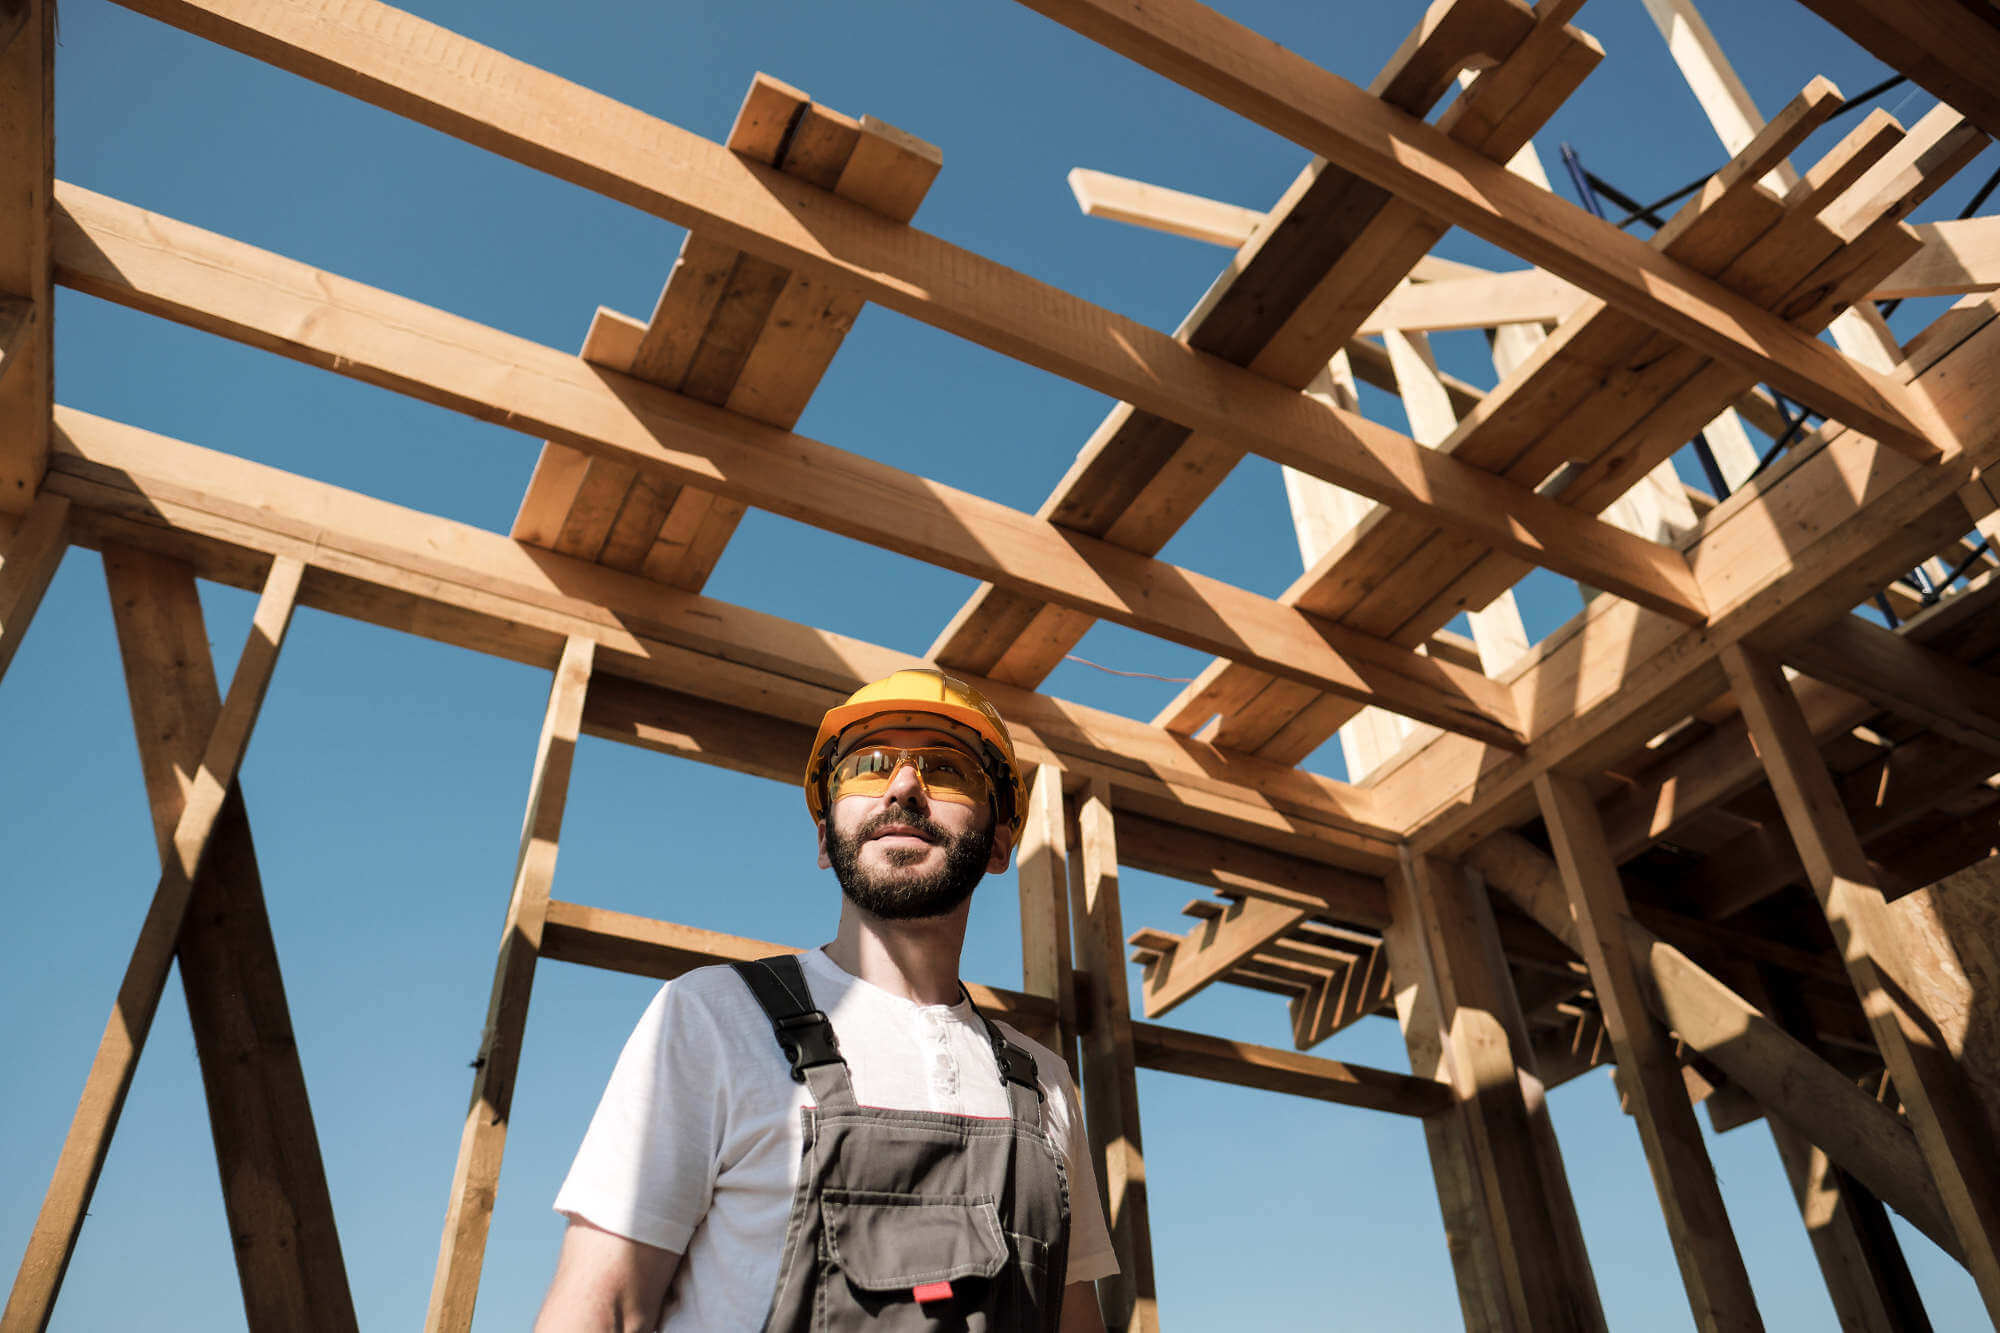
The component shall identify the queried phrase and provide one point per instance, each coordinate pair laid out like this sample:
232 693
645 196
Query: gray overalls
913 1219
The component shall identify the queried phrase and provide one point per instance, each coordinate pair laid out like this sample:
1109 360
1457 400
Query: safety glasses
946 774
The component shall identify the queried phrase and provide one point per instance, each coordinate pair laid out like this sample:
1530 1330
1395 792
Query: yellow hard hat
924 690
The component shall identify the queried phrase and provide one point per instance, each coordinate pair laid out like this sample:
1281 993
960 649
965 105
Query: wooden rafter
27 147
380 54
394 566
1623 423
1139 476
29 554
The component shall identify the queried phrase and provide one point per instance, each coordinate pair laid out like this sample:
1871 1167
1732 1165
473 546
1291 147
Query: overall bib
907 1220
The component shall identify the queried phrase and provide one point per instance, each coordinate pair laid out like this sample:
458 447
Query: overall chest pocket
883 1251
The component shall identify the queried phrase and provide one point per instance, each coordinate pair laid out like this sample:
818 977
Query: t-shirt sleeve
647 1167
1090 1253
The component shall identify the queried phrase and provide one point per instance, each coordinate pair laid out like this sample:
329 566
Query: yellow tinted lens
947 775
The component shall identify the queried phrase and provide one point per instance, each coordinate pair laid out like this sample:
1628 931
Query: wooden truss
1719 831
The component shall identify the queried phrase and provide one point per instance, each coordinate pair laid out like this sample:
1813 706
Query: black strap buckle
808 1041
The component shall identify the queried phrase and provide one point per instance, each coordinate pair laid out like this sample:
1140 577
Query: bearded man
840 1140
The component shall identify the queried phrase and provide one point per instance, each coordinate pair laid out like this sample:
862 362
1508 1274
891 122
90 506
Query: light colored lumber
483 1141
1043 873
1547 1282
432 576
1221 60
28 560
1199 1055
1888 963
27 148
274 1189
1362 988
1528 296
1938 692
1111 1093
1804 543
1712 1270
1121 199
389 341
1212 949
53 1239
1961 256
378 53
1139 477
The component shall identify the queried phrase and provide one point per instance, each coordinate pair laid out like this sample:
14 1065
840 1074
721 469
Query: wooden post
1044 877
28 560
1718 1285
274 1190
27 148
1546 1276
1859 1256
476 1180
1889 962
1110 1082
54 1237
1468 1230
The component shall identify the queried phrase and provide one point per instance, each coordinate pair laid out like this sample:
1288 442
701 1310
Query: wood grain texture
274 1187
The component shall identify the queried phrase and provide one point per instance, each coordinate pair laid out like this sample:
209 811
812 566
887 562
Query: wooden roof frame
1484 884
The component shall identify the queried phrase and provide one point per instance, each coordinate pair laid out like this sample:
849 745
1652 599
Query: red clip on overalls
913 1219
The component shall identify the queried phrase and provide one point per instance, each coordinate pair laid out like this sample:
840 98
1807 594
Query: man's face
902 855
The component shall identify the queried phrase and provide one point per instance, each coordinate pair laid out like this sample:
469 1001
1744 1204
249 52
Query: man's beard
900 897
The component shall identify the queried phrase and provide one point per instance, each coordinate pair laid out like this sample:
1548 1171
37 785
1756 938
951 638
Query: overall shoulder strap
804 1033
1017 1069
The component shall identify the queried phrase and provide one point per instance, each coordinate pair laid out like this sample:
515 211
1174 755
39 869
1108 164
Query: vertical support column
274 1190
1889 963
476 1180
28 560
27 192
1468 1232
1711 1266
63 1208
1546 1275
1859 1257
1044 876
1110 1079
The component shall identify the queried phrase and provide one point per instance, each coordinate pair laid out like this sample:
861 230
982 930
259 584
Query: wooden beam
1888 963
27 146
1470 1237
1462 962
427 575
1826 528
1528 296
1712 1270
1213 949
399 344
68 1199
1199 1055
1362 988
1859 1257
1043 873
179 272
1961 256
1904 677
380 54
1121 199
28 560
1234 67
1948 48
1110 1091
483 1142
274 1189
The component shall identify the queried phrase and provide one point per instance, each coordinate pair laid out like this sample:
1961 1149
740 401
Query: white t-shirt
697 1144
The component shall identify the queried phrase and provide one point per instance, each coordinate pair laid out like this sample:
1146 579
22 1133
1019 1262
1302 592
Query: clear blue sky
387 777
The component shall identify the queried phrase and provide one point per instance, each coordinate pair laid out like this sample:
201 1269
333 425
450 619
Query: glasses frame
904 756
